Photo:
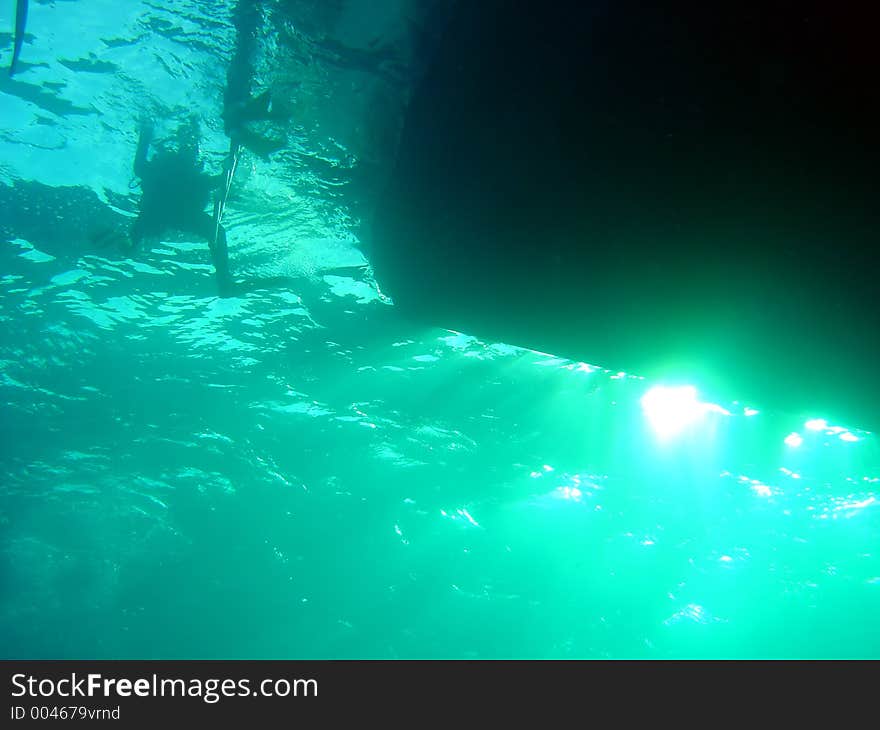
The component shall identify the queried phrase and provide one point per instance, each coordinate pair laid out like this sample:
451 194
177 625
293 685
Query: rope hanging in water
220 204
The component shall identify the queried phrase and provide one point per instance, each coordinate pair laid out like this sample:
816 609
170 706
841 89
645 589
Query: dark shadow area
687 189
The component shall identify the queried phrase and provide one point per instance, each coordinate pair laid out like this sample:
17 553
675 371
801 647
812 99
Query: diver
251 118
176 192
240 116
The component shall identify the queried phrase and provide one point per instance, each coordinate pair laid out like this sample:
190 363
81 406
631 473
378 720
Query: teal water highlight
301 473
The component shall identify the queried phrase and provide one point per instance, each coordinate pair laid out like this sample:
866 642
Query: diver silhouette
175 193
251 119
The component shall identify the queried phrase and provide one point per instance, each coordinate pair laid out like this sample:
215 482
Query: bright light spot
547 467
847 436
817 424
456 340
670 410
726 559
750 411
851 509
794 440
464 513
572 493
691 612
762 490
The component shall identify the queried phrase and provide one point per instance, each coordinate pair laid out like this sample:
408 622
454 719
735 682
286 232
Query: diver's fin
21 11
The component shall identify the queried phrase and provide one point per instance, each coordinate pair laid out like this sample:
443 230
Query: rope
220 205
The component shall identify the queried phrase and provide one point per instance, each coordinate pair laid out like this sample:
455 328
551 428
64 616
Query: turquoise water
300 472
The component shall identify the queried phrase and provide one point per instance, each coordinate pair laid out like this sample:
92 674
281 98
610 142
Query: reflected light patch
572 493
670 410
794 440
762 490
464 513
817 424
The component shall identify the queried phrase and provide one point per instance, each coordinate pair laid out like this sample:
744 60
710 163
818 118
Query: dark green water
300 473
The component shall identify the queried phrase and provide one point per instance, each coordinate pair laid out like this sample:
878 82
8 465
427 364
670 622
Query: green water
301 473
359 493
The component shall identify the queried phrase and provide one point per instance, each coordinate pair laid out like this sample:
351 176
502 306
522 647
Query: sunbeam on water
671 409
297 471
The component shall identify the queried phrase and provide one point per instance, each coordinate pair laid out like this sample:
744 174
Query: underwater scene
223 438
